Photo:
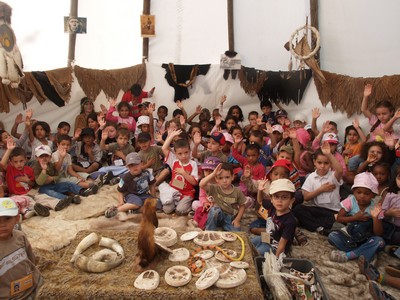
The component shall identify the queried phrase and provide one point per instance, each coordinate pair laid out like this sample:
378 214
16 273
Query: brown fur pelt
110 81
345 93
61 80
251 80
146 243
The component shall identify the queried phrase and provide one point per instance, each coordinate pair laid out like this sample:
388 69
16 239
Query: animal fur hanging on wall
10 58
252 80
110 81
345 93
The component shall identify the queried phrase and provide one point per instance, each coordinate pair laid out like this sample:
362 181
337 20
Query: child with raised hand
20 278
123 119
87 154
203 205
281 224
184 175
253 124
237 112
228 201
365 229
321 191
39 133
384 112
371 153
214 147
237 133
354 139
93 123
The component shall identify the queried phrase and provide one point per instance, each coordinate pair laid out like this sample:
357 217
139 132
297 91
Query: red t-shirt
15 187
128 97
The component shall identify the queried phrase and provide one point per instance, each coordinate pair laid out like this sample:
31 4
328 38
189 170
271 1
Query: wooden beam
231 32
314 23
72 36
145 47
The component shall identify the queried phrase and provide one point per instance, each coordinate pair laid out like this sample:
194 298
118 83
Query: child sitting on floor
228 201
281 223
20 278
134 188
365 229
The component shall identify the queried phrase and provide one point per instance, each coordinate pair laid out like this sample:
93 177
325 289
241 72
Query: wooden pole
72 36
145 47
231 32
314 23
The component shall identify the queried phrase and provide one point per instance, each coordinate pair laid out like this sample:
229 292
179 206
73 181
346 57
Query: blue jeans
217 218
59 189
368 249
260 246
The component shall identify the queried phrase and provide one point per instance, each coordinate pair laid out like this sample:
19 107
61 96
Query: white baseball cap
8 207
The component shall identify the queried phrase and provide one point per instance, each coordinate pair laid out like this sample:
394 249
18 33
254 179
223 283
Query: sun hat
281 185
330 137
8 207
133 159
142 120
42 149
218 137
228 137
210 163
366 180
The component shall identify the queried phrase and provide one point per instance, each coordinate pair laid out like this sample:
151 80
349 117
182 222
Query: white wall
359 38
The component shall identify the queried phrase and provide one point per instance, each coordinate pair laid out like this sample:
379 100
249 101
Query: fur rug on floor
50 236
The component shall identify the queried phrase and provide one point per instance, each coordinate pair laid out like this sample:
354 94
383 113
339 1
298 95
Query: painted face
230 123
377 151
278 173
363 196
383 114
183 155
213 146
18 162
252 156
162 113
285 155
7 224
93 124
236 113
40 133
63 130
123 112
322 165
135 169
381 174
122 140
282 201
224 179
144 146
352 137
64 144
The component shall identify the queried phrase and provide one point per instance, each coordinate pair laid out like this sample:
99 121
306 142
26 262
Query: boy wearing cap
87 154
46 177
20 278
215 145
281 223
184 174
282 118
134 187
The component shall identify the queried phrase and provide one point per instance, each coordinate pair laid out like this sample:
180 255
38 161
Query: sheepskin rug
50 236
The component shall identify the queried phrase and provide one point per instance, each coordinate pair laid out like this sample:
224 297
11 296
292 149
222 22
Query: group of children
291 173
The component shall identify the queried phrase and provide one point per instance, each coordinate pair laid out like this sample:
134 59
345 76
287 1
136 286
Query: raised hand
262 184
199 109
18 119
222 100
247 171
217 170
375 211
103 108
367 90
29 113
326 148
315 113
356 123
77 133
325 127
197 138
292 133
62 151
113 102
10 143
182 120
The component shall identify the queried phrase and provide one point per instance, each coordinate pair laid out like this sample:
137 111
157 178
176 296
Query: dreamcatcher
302 51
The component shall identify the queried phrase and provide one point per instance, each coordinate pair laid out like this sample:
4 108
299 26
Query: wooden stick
145 47
72 36
314 23
231 32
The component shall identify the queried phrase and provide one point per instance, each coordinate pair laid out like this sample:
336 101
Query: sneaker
29 214
111 212
368 269
338 256
76 199
63 203
300 237
42 210
89 191
377 293
107 177
114 181
99 181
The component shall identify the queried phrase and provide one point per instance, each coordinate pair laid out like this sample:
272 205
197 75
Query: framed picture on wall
75 25
148 25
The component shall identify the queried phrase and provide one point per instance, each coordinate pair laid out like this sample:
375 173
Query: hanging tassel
290 65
